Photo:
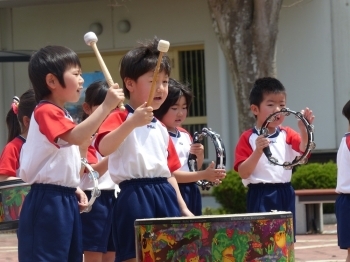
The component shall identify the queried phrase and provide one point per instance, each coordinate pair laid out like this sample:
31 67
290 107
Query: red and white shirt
147 152
182 141
104 182
343 166
9 159
45 158
284 146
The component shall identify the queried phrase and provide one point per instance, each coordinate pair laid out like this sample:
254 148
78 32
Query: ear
51 81
129 84
86 108
26 121
254 109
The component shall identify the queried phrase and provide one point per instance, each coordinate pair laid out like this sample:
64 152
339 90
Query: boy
139 148
342 203
269 186
50 225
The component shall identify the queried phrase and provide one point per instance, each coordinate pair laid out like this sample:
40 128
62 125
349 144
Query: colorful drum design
12 194
224 238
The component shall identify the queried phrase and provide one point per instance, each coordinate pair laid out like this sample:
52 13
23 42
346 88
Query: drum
241 237
12 194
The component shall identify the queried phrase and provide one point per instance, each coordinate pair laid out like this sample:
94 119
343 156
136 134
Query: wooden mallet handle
91 39
163 47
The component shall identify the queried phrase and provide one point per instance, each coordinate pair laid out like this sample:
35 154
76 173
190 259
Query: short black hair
346 111
263 86
141 60
50 59
95 94
175 91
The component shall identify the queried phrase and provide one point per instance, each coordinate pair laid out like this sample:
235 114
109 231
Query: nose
81 80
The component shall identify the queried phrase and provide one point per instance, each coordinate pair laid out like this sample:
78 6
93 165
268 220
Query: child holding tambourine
172 113
96 224
269 186
342 203
17 121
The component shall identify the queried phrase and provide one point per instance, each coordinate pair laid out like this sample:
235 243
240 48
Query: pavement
308 248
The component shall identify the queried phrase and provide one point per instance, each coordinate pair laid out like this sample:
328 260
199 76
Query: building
312 53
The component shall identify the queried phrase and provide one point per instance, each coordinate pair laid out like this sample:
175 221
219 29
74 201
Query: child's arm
82 199
183 207
210 174
88 127
143 115
303 132
101 167
246 168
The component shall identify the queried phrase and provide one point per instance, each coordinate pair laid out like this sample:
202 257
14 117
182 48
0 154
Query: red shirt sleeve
9 159
114 120
173 159
293 138
91 155
243 149
52 121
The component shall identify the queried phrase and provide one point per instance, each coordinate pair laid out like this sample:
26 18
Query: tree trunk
247 33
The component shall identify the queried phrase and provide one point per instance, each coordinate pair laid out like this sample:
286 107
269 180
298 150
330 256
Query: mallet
163 47
91 39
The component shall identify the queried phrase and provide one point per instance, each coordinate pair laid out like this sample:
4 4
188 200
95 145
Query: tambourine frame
95 192
220 154
310 136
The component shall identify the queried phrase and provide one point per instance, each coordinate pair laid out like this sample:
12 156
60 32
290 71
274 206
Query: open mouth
157 98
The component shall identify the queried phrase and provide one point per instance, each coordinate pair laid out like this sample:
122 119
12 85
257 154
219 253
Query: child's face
176 114
270 104
140 89
74 85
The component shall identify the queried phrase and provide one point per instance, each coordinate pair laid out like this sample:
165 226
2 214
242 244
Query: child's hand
143 115
214 175
198 150
309 116
82 199
114 97
261 142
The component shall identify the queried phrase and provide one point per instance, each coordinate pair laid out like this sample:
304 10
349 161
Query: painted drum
240 237
12 195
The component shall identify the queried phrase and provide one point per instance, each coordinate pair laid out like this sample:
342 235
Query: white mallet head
163 46
90 37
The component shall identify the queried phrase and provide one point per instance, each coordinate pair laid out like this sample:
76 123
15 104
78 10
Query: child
139 149
269 186
342 202
17 121
50 223
96 224
172 113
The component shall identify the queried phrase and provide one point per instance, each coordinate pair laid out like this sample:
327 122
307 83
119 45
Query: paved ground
308 248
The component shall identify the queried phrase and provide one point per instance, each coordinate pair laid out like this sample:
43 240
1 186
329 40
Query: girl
96 224
173 113
17 121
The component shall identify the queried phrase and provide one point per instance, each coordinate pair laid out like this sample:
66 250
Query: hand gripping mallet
163 47
91 39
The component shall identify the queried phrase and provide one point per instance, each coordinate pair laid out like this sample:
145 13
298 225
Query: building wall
313 72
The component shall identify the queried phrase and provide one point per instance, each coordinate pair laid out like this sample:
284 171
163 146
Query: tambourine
310 136
93 175
220 154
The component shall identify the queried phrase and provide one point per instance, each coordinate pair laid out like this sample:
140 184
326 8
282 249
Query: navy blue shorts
266 197
97 224
50 225
342 212
192 197
140 198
